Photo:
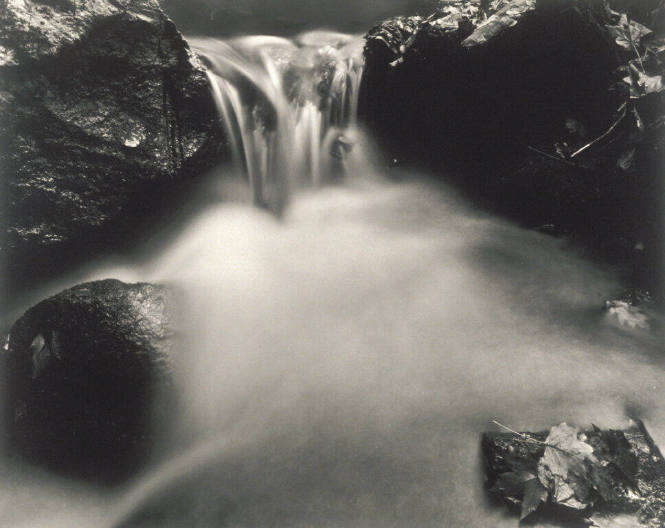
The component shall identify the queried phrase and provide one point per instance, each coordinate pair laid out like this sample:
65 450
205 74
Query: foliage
591 474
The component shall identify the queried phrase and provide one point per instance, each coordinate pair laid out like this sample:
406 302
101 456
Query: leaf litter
602 478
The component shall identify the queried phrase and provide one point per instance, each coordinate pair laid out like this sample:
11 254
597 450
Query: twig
551 156
632 43
639 57
525 437
622 109
521 435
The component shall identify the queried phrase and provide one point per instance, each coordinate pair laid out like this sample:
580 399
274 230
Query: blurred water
338 362
339 365
288 106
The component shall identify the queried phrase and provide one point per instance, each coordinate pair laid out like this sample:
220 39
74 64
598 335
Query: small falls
339 364
288 106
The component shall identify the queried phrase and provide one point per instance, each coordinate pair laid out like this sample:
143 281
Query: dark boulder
104 110
482 85
548 110
88 378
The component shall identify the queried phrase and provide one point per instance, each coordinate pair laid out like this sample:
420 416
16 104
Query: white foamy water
288 106
339 365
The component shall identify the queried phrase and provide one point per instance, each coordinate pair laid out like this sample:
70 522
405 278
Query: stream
349 331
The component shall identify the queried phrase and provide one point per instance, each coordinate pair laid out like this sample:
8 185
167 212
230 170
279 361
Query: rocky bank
104 111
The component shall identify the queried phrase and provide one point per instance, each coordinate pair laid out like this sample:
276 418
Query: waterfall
337 365
288 106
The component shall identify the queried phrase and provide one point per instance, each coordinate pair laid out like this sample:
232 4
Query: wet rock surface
550 111
87 376
104 110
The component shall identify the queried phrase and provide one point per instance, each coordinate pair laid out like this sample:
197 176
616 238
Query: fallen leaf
511 484
563 468
628 34
534 495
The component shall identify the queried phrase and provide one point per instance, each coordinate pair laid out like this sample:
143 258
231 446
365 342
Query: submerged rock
548 110
579 478
635 311
626 315
103 108
88 378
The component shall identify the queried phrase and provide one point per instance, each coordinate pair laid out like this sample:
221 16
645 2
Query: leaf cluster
571 469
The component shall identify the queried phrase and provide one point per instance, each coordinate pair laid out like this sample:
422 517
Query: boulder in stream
88 378
104 110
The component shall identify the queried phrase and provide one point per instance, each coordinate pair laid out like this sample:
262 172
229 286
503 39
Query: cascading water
289 107
338 365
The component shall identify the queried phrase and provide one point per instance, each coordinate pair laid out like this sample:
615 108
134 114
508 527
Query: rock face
103 108
88 378
549 110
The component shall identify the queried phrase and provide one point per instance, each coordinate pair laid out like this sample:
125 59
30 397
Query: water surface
339 364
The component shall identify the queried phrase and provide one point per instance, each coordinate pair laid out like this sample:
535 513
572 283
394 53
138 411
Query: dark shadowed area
223 18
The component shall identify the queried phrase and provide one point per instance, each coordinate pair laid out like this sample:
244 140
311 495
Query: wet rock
627 315
571 477
501 20
634 311
88 378
104 109
481 85
388 41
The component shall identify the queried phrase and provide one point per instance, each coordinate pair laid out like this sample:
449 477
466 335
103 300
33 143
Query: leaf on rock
641 83
656 46
534 494
511 484
505 18
650 83
628 34
615 476
564 467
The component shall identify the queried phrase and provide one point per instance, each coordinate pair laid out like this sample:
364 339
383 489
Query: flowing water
339 361
289 107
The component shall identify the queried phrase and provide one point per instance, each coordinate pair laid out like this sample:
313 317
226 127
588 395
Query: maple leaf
565 467
628 33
